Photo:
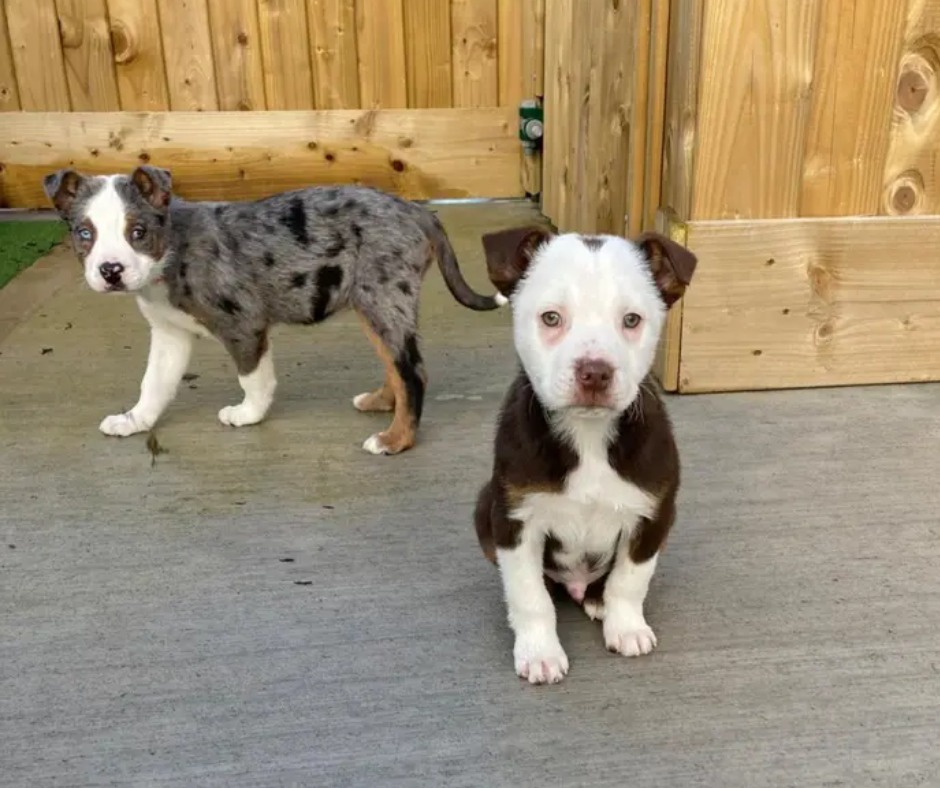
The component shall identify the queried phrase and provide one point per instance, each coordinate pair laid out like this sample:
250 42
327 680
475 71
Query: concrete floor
272 606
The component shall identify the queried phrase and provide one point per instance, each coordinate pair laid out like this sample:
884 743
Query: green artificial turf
23 243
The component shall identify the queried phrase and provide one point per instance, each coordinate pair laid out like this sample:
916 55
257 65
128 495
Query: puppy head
118 224
587 311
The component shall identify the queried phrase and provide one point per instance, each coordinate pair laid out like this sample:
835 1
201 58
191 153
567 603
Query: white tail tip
500 299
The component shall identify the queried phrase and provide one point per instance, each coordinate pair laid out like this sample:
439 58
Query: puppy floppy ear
61 187
509 252
155 184
671 264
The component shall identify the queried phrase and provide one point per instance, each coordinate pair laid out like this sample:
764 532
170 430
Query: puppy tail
450 269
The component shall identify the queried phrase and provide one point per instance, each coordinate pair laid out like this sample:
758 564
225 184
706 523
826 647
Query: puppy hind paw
239 415
383 443
121 425
370 402
594 609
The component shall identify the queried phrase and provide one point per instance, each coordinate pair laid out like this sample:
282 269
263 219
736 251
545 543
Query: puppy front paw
630 637
240 415
123 424
540 658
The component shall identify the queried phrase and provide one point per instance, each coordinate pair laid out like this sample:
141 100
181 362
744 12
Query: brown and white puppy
586 471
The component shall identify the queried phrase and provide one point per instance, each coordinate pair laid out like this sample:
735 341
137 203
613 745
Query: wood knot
917 79
242 38
912 90
398 165
824 332
70 31
123 43
905 194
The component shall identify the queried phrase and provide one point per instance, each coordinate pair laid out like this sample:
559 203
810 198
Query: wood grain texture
811 302
509 34
37 55
853 92
559 16
332 26
187 47
285 47
89 60
911 181
669 351
138 54
681 112
756 69
9 92
532 44
380 35
239 155
656 112
236 50
428 53
637 126
475 53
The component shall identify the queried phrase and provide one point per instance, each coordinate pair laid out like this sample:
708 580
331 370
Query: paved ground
272 606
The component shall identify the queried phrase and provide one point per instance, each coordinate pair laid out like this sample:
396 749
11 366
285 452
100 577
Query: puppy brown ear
671 263
509 252
61 187
155 184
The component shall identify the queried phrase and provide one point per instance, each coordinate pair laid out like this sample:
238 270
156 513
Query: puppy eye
138 232
631 320
551 318
84 234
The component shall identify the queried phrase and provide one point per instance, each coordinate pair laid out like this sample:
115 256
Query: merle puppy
232 270
586 471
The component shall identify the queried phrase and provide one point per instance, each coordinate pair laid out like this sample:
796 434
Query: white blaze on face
106 211
591 290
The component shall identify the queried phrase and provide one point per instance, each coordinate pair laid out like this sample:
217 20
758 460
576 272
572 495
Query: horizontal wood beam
419 154
811 302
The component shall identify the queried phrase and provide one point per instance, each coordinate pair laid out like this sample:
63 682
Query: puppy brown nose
111 272
593 375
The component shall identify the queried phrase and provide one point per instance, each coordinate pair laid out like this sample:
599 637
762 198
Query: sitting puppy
586 471
233 270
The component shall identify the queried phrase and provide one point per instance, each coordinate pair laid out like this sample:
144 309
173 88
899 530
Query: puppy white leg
537 652
259 386
625 627
170 350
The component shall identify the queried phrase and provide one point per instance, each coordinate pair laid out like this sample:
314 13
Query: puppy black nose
111 272
593 375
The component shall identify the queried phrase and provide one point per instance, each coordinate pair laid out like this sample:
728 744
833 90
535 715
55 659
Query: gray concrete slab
272 606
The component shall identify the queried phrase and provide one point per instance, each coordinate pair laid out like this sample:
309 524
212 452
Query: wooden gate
242 98
793 145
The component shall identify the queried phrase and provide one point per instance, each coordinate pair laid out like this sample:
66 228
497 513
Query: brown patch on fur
509 252
382 400
671 264
516 494
401 433
592 242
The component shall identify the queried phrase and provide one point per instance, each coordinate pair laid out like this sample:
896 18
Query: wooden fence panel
475 50
138 55
427 40
9 91
37 55
236 49
380 33
285 47
335 59
190 69
89 59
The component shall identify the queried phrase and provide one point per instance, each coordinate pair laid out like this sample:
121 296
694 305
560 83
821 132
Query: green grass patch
23 243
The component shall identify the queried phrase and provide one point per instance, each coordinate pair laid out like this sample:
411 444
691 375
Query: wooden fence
793 145
419 96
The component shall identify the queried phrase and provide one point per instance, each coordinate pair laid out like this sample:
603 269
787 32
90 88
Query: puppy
232 270
585 475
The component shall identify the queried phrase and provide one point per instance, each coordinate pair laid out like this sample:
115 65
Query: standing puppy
586 470
232 270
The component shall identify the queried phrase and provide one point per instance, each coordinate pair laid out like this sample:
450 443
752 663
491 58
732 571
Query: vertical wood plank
655 126
9 92
912 171
187 48
532 44
89 59
682 77
138 55
639 66
559 15
285 48
509 34
37 55
756 72
475 49
847 134
335 62
236 49
428 53
380 33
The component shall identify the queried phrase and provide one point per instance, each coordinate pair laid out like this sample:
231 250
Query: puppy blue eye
138 232
84 234
631 320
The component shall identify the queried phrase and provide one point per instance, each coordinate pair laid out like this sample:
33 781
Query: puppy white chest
159 312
